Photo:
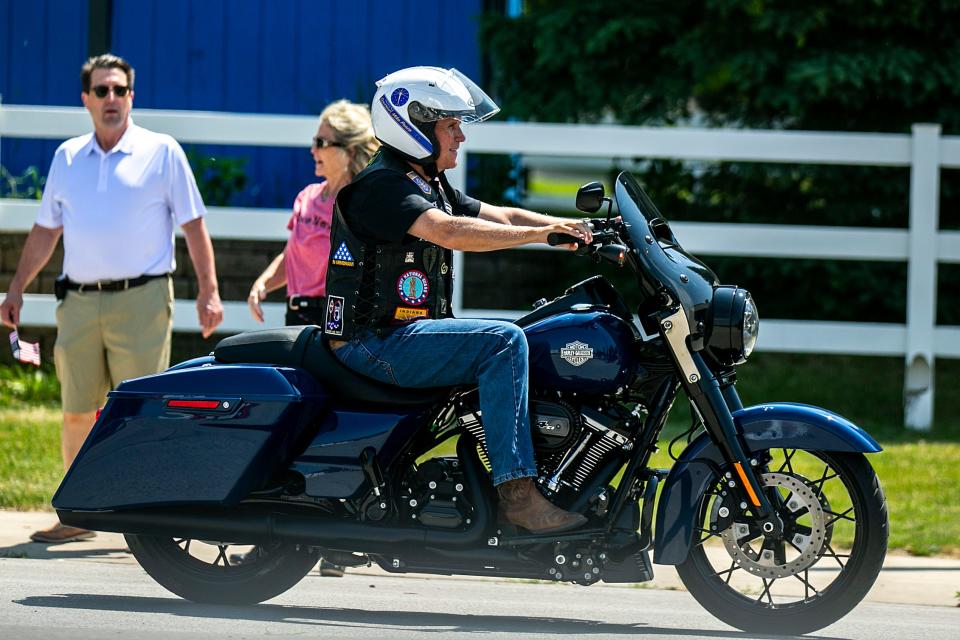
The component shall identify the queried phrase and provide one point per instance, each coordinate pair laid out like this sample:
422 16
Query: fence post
918 382
458 180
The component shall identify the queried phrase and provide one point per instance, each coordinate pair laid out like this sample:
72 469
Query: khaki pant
104 338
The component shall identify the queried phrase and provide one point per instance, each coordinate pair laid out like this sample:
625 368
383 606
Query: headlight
751 326
732 326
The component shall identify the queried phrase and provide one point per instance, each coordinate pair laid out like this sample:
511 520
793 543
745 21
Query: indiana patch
409 313
333 323
342 256
413 287
420 182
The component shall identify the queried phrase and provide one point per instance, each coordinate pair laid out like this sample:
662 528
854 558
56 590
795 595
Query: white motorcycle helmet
409 102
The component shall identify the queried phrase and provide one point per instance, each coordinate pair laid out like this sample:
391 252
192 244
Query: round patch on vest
413 287
399 97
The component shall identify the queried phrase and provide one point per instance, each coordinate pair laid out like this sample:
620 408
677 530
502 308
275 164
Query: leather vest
381 286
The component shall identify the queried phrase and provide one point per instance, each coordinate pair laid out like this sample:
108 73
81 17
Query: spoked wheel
222 573
833 544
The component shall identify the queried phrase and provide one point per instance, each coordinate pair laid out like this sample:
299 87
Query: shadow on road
421 622
58 551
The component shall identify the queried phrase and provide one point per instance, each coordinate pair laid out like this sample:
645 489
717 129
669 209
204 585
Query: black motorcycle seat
304 347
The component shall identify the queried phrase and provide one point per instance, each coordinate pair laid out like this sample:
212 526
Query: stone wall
238 263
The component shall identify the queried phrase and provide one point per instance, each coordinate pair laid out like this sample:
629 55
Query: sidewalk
903 580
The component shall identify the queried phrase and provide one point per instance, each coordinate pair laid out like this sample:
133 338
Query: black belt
110 285
296 303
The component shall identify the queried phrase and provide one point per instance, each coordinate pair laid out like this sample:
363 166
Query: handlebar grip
553 239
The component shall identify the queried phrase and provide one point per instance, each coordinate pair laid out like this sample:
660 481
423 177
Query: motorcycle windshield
664 264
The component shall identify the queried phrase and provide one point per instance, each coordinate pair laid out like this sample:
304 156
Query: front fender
766 426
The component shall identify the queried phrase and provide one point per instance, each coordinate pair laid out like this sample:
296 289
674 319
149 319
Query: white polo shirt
117 208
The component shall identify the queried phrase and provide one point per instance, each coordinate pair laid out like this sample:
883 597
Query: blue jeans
449 352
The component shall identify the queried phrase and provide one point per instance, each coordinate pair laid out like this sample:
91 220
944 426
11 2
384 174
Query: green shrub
21 384
28 186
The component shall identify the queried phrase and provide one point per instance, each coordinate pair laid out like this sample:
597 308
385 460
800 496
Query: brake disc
801 550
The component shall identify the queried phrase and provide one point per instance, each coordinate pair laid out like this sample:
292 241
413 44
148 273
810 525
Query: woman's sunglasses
323 143
101 91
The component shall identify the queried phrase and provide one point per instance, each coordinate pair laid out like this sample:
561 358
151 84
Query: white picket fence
922 245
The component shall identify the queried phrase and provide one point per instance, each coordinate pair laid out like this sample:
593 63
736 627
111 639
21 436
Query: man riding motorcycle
390 277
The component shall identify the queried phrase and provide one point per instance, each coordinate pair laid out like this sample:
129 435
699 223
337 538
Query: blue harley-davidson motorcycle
772 514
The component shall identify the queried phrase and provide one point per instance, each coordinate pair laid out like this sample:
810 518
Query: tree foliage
864 65
829 65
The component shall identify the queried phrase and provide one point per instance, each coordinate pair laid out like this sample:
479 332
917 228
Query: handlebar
554 239
604 235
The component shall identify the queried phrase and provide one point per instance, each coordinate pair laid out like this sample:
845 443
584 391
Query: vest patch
420 182
413 287
409 313
333 323
409 257
342 257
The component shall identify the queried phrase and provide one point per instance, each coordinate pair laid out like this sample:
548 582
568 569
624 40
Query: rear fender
765 426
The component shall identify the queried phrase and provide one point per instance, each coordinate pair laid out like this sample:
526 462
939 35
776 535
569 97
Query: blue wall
41 50
256 56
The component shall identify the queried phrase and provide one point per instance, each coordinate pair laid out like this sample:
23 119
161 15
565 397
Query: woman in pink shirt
342 147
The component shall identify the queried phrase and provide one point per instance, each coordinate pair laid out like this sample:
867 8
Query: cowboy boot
523 505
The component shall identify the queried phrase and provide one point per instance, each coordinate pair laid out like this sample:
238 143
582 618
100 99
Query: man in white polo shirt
114 195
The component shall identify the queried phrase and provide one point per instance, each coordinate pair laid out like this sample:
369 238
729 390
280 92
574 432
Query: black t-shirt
385 204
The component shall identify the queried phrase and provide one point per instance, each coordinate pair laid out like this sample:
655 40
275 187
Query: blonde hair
352 128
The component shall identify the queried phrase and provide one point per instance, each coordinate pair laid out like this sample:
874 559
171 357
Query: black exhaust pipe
250 525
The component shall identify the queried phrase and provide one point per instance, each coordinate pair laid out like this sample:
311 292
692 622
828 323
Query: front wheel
221 573
833 544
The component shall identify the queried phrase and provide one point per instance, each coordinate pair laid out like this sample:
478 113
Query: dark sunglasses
323 143
101 91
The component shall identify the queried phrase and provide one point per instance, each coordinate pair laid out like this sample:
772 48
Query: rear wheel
835 538
213 572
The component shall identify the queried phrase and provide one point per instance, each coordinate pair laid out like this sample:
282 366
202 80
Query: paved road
73 599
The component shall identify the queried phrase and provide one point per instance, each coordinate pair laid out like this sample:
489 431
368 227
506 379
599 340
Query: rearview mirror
590 197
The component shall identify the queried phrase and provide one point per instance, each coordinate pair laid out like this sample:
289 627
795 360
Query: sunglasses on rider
101 90
323 143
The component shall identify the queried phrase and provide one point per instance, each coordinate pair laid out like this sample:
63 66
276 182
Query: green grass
30 465
918 471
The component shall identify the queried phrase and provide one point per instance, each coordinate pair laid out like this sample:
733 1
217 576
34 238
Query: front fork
715 404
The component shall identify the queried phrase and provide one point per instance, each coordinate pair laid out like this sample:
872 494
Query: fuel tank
584 349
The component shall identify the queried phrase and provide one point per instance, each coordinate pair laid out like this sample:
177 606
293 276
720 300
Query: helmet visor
480 105
483 106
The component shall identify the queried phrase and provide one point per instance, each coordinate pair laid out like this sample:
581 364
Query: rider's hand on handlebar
578 229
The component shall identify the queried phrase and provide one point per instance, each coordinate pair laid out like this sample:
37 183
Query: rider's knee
516 338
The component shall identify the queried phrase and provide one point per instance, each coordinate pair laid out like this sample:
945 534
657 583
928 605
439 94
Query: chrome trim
676 330
617 437
553 483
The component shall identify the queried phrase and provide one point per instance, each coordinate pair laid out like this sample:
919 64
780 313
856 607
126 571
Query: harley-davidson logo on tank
576 353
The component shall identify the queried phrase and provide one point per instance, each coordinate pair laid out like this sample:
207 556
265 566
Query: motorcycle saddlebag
204 435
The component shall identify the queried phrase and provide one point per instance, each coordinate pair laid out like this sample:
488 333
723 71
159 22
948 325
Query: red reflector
99 411
194 404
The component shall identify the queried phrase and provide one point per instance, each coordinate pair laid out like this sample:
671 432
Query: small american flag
27 352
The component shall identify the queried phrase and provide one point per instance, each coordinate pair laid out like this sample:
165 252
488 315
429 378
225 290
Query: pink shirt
309 245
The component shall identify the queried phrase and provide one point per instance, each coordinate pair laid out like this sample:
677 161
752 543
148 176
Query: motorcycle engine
434 495
569 444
